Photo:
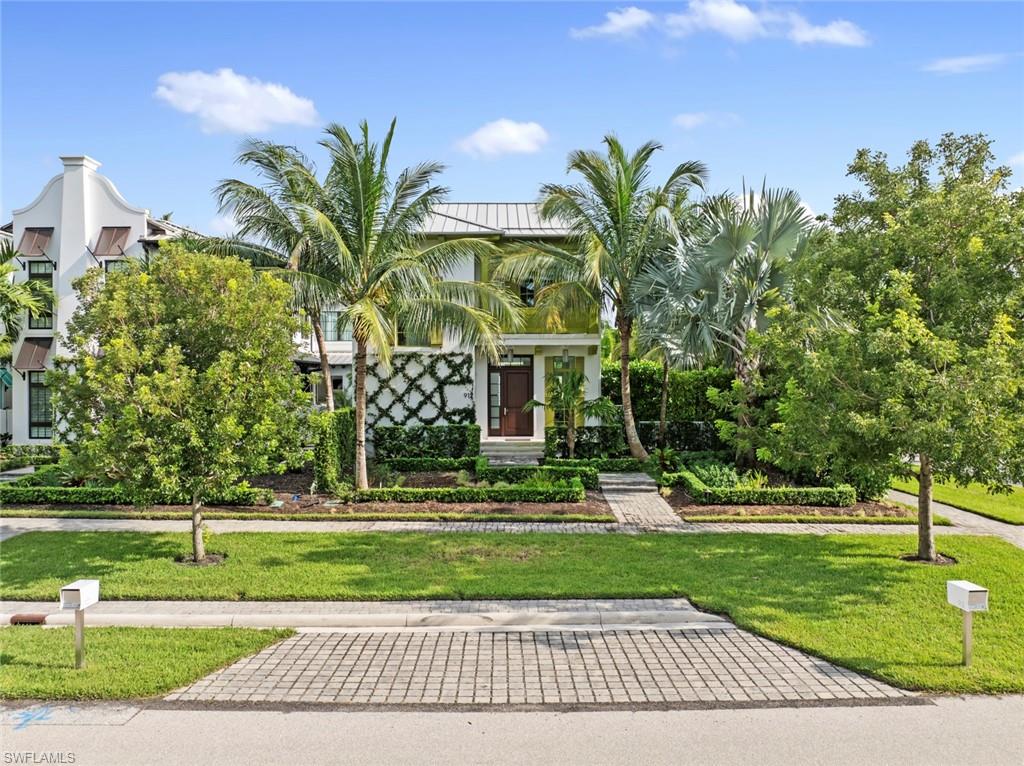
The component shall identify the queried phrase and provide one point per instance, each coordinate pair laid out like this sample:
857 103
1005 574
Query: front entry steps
512 451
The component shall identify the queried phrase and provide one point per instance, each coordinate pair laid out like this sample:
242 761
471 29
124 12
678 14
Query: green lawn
120 663
845 597
975 498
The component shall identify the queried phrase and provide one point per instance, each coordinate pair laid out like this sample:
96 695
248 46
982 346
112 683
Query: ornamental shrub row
21 455
842 495
114 496
426 441
689 435
605 464
416 464
516 474
572 492
334 452
591 441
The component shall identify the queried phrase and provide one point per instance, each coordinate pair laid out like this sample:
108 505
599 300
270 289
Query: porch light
565 356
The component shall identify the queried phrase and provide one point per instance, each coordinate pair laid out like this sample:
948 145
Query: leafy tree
17 299
619 223
924 276
386 274
179 380
276 231
566 392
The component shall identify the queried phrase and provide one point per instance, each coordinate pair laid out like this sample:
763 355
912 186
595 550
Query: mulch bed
685 506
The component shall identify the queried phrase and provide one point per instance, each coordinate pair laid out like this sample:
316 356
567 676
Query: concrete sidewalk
970 523
571 614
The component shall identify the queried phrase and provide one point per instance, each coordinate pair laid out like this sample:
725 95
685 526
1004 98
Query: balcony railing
537 323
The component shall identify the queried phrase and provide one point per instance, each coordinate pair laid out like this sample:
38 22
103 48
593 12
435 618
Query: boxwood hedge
115 496
514 474
426 441
842 495
572 492
605 464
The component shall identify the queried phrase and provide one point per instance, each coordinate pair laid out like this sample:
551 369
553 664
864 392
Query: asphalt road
976 730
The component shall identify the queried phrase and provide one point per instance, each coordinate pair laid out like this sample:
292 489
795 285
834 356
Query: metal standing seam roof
505 219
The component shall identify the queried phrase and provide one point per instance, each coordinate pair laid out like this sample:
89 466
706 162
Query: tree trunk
744 369
636 449
325 366
362 481
663 414
925 533
570 437
198 547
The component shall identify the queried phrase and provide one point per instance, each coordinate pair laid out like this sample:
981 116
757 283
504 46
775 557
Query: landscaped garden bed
859 513
848 598
123 663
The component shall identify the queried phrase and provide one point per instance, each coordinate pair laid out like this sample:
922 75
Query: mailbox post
78 596
969 598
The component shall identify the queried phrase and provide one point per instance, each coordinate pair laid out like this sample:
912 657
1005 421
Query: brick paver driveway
534 667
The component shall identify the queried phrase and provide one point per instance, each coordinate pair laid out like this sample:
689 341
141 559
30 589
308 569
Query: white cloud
504 136
734 20
227 102
727 17
1017 159
223 225
692 120
838 32
966 64
621 23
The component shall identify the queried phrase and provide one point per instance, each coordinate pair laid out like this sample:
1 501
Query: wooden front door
517 386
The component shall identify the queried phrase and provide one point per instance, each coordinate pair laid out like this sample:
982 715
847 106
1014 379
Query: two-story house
79 220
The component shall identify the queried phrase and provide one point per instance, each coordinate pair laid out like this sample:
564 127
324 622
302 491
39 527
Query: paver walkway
969 522
634 499
539 667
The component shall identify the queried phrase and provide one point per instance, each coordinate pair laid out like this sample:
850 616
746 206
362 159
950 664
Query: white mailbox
967 596
80 594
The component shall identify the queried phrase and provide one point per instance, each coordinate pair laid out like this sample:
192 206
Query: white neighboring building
79 220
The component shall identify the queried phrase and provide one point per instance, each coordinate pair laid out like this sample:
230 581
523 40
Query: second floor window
333 326
41 272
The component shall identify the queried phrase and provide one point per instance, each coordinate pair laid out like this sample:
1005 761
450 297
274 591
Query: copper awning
33 354
35 240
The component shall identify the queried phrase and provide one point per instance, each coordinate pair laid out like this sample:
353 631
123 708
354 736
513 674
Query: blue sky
499 92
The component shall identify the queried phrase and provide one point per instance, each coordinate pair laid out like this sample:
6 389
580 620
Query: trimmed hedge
21 455
842 495
115 496
515 474
417 464
591 441
426 441
606 464
688 435
572 493
334 454
687 390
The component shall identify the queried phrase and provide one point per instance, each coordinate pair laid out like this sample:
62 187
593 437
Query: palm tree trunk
325 365
198 546
636 449
362 480
925 533
570 436
663 413
744 369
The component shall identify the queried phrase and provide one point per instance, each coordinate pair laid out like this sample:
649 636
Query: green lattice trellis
419 381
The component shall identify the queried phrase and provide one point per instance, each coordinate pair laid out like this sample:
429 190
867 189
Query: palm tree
17 299
275 231
370 226
618 225
726 278
565 393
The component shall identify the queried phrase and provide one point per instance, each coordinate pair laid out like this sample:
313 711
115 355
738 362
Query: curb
580 620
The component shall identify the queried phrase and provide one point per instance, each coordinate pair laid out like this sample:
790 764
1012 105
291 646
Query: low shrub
715 474
842 495
591 441
689 435
603 464
48 475
417 464
426 441
517 474
241 495
569 492
21 455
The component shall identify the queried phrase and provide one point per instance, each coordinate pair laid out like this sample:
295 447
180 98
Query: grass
120 663
849 598
974 498
47 513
